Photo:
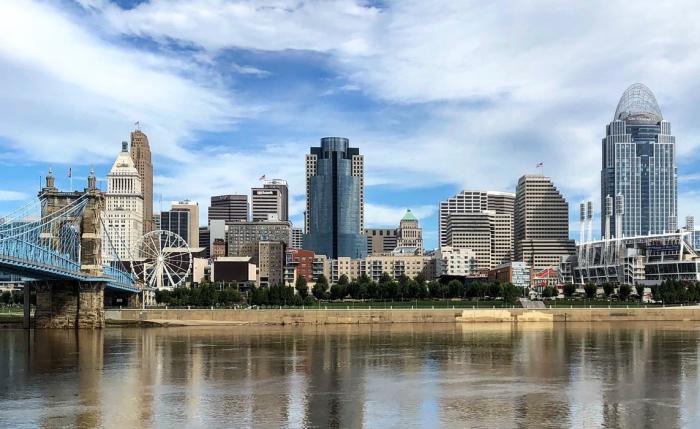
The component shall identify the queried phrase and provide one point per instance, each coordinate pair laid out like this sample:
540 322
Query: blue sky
439 96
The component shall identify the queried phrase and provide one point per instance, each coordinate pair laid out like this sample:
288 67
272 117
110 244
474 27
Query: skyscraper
541 220
124 205
271 201
639 164
335 200
410 234
192 207
474 202
229 208
141 155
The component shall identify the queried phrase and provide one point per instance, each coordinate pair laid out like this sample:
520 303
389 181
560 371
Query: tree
494 290
591 290
510 292
550 292
454 289
608 289
302 287
6 297
338 291
319 291
640 292
624 292
569 290
343 280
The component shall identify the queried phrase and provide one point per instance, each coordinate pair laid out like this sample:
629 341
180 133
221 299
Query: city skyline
422 143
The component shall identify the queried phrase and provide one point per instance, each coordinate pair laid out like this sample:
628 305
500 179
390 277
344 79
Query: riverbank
218 317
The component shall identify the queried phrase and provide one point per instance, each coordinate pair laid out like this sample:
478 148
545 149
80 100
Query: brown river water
632 375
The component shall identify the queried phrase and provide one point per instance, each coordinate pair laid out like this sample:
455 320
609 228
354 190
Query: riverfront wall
365 316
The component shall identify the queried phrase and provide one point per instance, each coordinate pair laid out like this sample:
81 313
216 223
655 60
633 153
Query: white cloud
378 215
250 70
74 96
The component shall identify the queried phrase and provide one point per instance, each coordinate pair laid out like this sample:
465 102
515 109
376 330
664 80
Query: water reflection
489 375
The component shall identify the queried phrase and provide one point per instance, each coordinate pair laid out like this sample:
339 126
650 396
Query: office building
297 238
639 166
178 222
141 155
380 240
455 262
204 241
541 223
156 221
335 200
243 237
124 206
193 229
501 203
271 202
410 234
229 208
271 259
516 273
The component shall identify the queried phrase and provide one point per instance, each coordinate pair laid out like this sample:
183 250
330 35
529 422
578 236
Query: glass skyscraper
639 164
335 200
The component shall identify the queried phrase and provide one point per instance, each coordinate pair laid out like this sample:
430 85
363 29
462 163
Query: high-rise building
271 202
193 230
177 221
124 205
271 259
639 164
242 237
541 223
410 234
230 208
297 238
205 241
141 155
474 202
335 200
380 240
481 221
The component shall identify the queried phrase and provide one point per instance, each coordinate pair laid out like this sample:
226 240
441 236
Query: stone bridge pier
64 303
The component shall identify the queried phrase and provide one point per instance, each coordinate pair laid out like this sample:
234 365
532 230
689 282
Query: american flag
262 177
70 172
539 164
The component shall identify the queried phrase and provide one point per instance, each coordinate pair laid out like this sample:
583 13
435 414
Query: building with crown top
124 205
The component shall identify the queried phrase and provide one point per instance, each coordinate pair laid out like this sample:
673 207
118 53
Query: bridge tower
68 303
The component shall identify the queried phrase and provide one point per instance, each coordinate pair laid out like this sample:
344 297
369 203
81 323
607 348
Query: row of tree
404 288
206 295
676 291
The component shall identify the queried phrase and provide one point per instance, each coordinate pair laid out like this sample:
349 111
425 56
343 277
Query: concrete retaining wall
321 317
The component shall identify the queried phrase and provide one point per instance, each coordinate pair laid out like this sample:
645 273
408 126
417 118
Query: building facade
541 223
124 206
178 222
271 202
141 155
299 263
376 265
639 165
501 203
229 208
271 260
456 262
205 241
297 238
380 240
242 237
335 200
410 234
517 273
488 233
192 237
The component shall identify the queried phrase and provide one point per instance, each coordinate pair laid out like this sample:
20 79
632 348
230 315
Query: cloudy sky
438 95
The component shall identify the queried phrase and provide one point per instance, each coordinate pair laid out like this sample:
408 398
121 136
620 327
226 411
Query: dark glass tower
639 167
334 199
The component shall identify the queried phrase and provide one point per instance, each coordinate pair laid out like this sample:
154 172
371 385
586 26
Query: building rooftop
638 103
409 216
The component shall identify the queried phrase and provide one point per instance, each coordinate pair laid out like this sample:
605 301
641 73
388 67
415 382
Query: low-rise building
376 265
517 273
234 269
298 263
452 261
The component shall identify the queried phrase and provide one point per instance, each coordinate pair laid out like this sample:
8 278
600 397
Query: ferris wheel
164 260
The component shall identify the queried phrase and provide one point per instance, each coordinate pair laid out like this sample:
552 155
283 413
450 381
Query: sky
439 96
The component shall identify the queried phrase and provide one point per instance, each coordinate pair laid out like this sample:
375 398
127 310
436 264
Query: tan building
271 259
410 234
193 229
488 233
474 202
541 230
374 266
141 155
380 240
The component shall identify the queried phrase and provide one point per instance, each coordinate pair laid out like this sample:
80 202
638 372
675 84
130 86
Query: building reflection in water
489 375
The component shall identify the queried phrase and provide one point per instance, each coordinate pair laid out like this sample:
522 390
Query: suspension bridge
57 243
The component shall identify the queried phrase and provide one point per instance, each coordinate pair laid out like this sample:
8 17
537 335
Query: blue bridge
58 245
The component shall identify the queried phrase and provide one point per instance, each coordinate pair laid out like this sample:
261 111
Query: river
380 376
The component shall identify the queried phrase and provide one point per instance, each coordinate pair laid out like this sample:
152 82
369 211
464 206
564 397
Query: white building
124 207
456 262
